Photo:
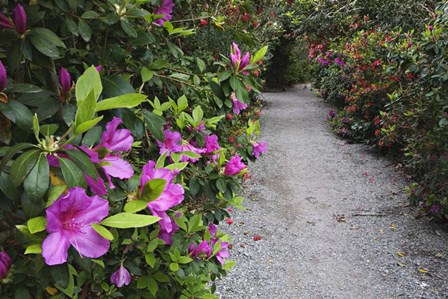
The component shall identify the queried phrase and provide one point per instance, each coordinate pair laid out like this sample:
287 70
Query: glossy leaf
83 161
37 182
23 165
123 101
129 220
73 176
153 189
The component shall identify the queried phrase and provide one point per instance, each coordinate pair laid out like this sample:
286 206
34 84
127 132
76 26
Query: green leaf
70 284
182 104
89 80
86 109
90 14
179 166
185 260
116 86
154 124
7 188
23 165
12 151
54 193
127 28
128 220
73 176
104 232
153 189
84 30
87 125
123 101
217 90
36 126
201 64
36 224
259 55
180 77
190 154
143 282
18 114
221 185
150 259
34 249
37 182
46 42
234 83
161 160
198 114
146 74
135 206
174 267
83 161
153 286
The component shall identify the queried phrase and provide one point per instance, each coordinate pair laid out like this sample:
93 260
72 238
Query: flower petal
89 243
118 168
54 248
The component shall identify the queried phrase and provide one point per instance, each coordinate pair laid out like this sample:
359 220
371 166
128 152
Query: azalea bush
386 81
121 148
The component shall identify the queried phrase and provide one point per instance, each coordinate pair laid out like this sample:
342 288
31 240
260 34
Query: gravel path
333 218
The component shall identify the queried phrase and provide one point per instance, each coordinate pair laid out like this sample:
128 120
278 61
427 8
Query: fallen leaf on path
439 255
340 217
393 226
401 254
401 264
257 238
423 270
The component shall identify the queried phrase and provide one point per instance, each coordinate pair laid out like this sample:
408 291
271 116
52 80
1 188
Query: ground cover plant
126 129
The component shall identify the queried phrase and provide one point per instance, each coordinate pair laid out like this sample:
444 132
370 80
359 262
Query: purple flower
223 253
339 61
3 77
203 250
113 165
165 9
435 208
5 22
212 228
5 264
234 166
211 144
172 195
170 143
68 223
64 80
430 28
237 105
99 68
331 113
19 17
116 140
238 63
188 147
121 277
346 120
259 148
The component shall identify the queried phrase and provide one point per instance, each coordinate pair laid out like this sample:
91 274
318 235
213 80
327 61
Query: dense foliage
383 66
126 128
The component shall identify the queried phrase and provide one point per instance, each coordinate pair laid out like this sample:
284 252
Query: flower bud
19 17
65 80
121 277
5 264
3 77
5 22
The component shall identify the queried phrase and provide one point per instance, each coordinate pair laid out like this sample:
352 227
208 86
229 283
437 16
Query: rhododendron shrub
116 160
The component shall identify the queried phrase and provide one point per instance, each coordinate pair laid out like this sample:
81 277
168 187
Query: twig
369 214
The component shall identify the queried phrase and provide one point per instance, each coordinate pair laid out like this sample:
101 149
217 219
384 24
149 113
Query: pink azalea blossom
234 166
238 63
223 253
65 80
19 17
259 148
237 105
5 264
5 22
165 9
172 195
3 77
113 165
188 147
121 277
68 223
211 144
170 143
202 250
212 228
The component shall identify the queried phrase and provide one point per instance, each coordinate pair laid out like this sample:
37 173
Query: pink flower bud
121 277
5 264
3 77
5 22
65 80
19 17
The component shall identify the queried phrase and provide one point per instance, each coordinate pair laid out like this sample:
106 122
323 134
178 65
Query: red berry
229 221
204 22
229 116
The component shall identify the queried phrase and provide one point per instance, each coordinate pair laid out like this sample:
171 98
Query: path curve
333 218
